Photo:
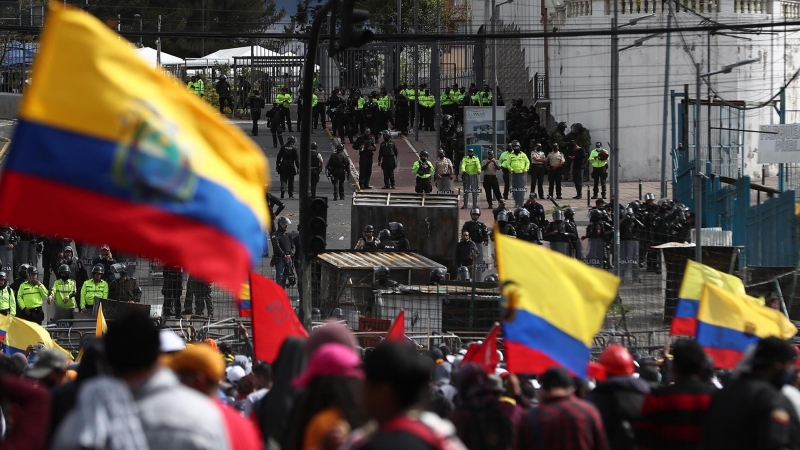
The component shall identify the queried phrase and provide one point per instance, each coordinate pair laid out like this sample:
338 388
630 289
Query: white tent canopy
150 56
225 56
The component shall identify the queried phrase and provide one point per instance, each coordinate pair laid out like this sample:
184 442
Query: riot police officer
385 241
368 242
596 233
398 236
274 118
558 234
283 247
526 230
572 230
388 159
288 164
338 168
8 238
479 234
536 211
316 167
381 282
423 171
503 225
365 144
629 229
199 291
125 288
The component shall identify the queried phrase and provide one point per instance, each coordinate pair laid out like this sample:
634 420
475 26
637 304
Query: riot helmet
385 235
396 228
23 270
3 277
475 212
369 229
524 216
569 213
98 269
367 131
381 272
339 148
283 223
502 217
63 268
490 279
423 154
463 274
649 197
314 146
558 215
290 140
438 275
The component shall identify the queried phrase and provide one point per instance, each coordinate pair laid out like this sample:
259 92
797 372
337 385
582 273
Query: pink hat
331 360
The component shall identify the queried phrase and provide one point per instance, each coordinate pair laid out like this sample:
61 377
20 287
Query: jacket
127 290
518 163
470 165
64 293
90 290
422 169
30 296
8 300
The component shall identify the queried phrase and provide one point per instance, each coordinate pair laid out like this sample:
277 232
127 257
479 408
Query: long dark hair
322 393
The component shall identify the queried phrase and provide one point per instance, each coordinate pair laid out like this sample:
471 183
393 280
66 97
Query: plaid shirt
564 423
673 416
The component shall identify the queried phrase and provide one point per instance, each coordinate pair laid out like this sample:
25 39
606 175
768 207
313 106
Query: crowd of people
139 387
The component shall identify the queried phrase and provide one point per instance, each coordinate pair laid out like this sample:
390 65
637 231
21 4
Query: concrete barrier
9 103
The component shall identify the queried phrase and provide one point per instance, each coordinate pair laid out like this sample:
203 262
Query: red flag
485 354
397 332
273 318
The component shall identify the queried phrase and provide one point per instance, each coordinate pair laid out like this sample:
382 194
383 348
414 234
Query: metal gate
771 232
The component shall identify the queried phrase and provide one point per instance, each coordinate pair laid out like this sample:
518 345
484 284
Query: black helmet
595 214
119 268
396 226
314 146
561 126
523 213
367 131
569 213
316 314
385 235
502 216
441 152
98 269
23 270
629 211
386 133
382 272
369 229
558 215
533 195
290 140
490 279
62 268
3 276
283 222
635 205
32 270
475 211
649 196
663 202
438 275
339 148
463 274
515 143
423 153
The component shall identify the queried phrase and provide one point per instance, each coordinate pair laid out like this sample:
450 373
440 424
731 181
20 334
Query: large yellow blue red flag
695 276
555 305
18 334
141 163
728 323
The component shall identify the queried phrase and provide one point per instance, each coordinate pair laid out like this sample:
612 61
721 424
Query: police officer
381 282
518 165
490 166
275 206
596 233
368 242
372 113
536 211
199 291
51 257
470 172
537 169
649 256
466 251
22 276
338 168
577 157
223 89
283 251
31 296
555 168
479 234
274 123
388 160
599 161
287 165
8 238
171 289
365 144
398 236
316 167
96 287
106 259
422 170
558 137
751 412
503 225
443 173
385 241
526 230
255 104
437 276
284 100
64 293
572 230
123 288
501 208
629 229
558 234
8 300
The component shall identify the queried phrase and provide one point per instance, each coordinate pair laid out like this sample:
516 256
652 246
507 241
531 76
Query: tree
221 16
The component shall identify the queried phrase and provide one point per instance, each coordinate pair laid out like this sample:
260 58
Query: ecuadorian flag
695 277
728 323
245 308
144 165
19 334
555 305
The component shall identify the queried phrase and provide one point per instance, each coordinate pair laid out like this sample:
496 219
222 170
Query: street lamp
698 163
495 9
615 122
137 16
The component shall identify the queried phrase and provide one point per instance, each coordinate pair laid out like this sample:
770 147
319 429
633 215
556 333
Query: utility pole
158 43
665 112
614 160
416 73
436 87
698 180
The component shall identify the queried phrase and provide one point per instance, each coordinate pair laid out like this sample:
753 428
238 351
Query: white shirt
252 399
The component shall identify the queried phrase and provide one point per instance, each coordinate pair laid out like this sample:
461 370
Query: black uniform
224 90
316 170
401 111
171 289
366 151
106 263
288 164
620 403
751 413
274 123
529 231
478 232
126 290
275 206
387 158
338 169
199 291
255 104
50 258
537 213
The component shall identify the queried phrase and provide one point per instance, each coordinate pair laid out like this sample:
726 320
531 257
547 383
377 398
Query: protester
274 410
561 421
25 424
479 421
262 378
49 369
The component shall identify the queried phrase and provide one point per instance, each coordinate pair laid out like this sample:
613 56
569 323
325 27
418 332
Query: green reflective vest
361 102
30 296
64 293
198 87
595 160
383 103
8 300
426 171
314 100
446 99
284 100
90 290
518 162
471 165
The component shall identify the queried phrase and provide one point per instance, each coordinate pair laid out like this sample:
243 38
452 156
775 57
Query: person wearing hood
273 412
479 420
442 377
750 412
619 399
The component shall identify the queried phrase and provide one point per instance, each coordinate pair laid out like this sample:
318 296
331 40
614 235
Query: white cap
536 384
170 342
499 371
234 373
462 352
450 358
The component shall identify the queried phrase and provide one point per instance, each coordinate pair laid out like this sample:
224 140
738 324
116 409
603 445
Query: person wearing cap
97 287
751 412
31 296
124 288
64 293
106 260
518 164
470 172
537 171
555 168
444 171
49 369
561 421
331 406
489 166
8 301
200 368
620 397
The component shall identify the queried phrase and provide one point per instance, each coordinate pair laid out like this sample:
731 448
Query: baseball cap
46 362
200 359
243 362
234 374
170 342
331 360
